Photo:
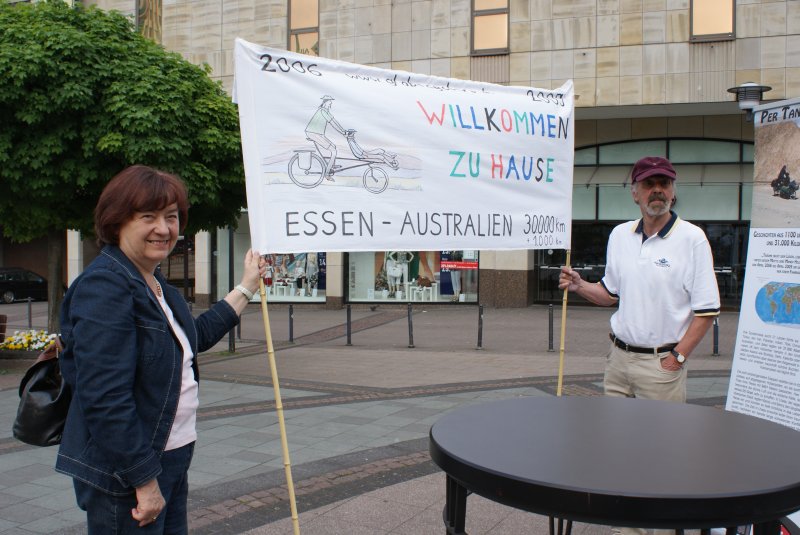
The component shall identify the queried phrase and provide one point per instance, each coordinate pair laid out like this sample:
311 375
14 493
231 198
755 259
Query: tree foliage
82 96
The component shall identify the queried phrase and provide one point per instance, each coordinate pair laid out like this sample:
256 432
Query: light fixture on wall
749 95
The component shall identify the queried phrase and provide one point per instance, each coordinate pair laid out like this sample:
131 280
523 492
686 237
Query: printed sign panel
343 157
765 375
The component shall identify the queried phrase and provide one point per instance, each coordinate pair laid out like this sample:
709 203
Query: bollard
410 328
349 331
550 328
480 327
291 323
30 314
239 329
232 341
715 351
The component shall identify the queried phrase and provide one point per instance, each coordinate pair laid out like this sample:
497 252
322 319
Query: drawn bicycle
307 166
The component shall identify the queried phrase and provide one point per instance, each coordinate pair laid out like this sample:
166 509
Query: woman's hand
255 268
149 503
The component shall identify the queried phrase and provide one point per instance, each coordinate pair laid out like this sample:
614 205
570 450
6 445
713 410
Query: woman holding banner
130 359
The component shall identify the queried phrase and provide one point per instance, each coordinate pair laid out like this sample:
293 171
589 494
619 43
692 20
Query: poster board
765 374
421 162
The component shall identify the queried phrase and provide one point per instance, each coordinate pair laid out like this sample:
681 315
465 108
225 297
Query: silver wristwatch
680 358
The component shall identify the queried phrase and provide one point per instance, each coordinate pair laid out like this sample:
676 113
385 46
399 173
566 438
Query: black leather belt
636 349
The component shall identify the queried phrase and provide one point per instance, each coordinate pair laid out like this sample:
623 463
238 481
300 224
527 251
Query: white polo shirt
661 282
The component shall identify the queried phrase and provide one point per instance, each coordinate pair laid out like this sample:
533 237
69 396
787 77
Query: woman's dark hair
137 188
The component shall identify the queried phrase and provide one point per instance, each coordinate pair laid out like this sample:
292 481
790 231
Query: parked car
18 284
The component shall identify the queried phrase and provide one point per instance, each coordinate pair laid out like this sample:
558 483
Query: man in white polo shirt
661 272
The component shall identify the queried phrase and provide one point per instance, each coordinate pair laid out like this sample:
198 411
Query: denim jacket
124 367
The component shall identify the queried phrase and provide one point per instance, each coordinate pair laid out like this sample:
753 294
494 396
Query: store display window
296 277
427 276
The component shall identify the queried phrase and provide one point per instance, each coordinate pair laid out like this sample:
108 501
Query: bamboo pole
273 370
563 333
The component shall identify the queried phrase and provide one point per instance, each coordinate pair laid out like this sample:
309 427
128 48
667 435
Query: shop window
679 151
703 151
584 202
712 20
630 152
296 277
586 156
490 27
304 26
589 241
711 202
729 245
748 152
429 276
746 195
588 257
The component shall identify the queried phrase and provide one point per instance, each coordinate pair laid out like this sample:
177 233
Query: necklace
159 293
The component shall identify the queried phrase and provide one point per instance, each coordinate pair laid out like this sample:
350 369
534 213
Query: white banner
765 374
343 157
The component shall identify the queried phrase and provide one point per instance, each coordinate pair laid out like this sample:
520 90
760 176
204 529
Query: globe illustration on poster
779 302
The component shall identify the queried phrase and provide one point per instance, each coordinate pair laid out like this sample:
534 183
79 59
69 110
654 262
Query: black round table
616 461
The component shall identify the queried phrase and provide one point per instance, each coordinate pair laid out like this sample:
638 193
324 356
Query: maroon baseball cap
652 166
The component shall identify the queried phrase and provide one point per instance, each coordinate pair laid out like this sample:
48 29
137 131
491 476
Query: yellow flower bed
28 340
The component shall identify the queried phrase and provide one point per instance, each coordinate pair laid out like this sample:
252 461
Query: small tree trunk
56 240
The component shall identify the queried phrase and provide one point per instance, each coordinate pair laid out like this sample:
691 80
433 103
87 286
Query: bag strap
52 351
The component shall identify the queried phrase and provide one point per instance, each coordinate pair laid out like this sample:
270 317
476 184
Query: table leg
767 528
455 508
562 529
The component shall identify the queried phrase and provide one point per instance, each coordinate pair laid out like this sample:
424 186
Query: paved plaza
357 416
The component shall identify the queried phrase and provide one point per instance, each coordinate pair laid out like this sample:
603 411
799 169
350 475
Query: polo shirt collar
661 233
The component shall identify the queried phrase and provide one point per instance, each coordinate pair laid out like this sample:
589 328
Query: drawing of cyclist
315 131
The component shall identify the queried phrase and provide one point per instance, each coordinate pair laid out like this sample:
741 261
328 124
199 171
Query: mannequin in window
393 272
312 270
426 264
300 277
283 266
455 274
404 258
269 259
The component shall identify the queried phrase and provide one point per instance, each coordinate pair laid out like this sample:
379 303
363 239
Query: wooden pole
563 333
273 370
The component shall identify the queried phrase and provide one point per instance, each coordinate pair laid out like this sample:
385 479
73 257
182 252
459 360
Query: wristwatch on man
680 358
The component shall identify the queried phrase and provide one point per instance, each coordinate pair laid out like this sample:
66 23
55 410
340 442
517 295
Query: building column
74 255
202 269
334 279
506 278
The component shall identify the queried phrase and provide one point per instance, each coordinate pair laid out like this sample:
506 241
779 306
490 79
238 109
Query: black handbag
44 400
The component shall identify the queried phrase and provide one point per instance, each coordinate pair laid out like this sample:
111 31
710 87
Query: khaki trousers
640 375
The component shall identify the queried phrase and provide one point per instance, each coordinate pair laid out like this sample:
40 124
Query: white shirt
661 282
183 430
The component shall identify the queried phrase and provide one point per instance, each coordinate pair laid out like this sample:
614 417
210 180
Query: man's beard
657 210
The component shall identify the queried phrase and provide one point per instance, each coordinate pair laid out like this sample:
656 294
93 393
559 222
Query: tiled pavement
357 417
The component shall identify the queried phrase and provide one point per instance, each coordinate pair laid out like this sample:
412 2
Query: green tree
82 96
